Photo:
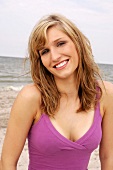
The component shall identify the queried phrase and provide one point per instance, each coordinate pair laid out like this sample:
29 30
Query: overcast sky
93 17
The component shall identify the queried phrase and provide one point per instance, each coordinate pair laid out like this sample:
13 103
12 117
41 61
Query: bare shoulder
107 95
107 123
107 89
28 99
23 112
30 92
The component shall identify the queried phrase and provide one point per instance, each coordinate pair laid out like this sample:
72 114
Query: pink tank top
49 150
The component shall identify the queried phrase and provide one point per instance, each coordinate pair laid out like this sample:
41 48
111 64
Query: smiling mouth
61 64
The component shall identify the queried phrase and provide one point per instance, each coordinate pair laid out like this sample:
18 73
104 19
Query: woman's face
59 54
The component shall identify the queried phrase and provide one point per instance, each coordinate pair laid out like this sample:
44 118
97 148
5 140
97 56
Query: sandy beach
7 97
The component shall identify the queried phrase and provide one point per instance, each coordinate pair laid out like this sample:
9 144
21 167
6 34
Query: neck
67 87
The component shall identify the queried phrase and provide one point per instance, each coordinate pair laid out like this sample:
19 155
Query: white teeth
61 64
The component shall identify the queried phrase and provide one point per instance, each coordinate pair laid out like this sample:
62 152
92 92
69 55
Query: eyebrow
58 39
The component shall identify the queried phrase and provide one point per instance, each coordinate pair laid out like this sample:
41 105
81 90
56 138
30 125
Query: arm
22 115
106 146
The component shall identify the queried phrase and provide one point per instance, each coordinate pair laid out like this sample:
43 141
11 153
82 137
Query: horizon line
26 57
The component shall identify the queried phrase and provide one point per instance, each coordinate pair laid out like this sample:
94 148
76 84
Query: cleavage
73 126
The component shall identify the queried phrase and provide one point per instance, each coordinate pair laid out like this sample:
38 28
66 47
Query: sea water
14 72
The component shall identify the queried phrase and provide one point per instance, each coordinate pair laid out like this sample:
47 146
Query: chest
48 136
72 125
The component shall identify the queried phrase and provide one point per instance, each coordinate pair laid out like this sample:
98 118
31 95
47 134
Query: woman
68 111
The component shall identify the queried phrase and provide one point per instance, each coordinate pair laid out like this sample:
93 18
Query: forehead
50 34
55 33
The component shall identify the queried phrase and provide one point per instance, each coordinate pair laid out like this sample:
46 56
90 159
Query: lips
61 64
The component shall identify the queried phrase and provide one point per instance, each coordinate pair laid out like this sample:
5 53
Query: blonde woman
68 111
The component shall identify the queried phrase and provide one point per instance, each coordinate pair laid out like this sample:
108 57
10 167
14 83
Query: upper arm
23 111
106 146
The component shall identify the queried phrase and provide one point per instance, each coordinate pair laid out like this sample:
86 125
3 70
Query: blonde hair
87 71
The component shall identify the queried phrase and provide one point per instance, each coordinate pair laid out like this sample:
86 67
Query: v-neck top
49 150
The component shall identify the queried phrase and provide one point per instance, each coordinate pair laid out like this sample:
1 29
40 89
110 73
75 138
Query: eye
44 51
60 43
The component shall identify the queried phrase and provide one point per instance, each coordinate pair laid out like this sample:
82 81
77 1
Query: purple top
49 150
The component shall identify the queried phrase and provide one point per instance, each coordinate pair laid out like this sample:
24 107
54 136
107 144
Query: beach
7 97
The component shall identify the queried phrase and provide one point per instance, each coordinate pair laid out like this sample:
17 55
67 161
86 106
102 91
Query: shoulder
30 92
107 89
107 121
28 99
107 95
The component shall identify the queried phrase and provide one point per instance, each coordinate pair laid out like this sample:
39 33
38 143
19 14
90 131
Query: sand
7 97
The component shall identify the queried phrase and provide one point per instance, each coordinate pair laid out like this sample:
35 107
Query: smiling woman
60 58
68 110
62 30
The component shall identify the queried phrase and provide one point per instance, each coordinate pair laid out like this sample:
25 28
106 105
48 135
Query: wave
15 88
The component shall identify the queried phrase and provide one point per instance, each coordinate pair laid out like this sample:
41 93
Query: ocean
13 72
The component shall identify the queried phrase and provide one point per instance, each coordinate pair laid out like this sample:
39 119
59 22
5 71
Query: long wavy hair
87 71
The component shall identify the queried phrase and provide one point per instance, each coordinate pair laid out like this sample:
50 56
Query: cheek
76 54
45 61
76 57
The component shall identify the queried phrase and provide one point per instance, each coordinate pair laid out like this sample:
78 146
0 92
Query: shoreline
7 97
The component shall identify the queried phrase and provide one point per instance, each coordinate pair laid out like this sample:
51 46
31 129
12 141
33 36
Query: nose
55 55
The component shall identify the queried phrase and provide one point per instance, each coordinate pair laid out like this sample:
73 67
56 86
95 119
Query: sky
93 17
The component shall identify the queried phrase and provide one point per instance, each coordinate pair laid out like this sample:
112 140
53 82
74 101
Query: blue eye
44 51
